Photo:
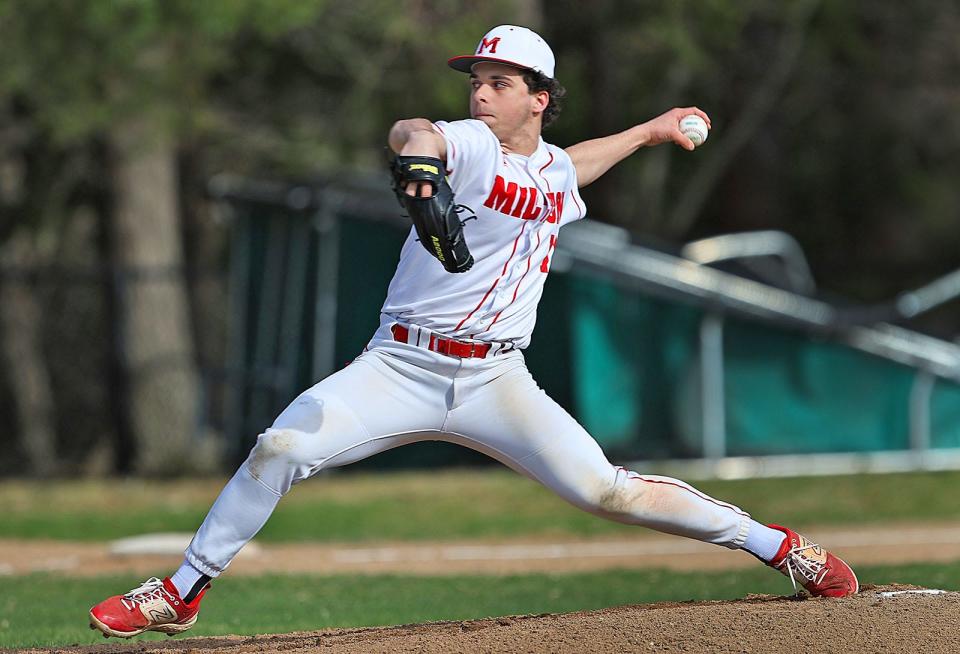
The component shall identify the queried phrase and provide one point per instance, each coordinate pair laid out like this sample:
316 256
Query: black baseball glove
436 217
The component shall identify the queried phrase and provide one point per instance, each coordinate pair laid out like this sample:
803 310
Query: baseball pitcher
487 198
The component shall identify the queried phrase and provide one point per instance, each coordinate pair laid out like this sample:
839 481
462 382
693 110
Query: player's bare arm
595 157
416 137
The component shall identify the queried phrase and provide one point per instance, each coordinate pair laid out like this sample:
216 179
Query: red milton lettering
556 206
545 264
502 196
511 199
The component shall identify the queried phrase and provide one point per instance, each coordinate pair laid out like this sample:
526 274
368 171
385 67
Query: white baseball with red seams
694 128
520 203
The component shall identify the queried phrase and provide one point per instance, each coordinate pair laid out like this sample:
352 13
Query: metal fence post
327 226
921 394
238 304
712 412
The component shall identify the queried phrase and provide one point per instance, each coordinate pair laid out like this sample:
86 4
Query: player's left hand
665 128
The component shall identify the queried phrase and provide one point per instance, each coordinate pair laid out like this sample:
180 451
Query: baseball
694 128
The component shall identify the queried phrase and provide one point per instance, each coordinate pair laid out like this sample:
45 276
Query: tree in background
833 120
837 122
110 102
104 90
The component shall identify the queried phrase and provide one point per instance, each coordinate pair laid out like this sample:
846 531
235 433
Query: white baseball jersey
520 203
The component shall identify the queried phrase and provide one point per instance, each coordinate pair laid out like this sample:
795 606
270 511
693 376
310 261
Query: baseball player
487 197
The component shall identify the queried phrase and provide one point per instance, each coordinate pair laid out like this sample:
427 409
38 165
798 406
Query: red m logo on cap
491 44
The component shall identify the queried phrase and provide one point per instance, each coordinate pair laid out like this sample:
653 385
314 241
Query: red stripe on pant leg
637 477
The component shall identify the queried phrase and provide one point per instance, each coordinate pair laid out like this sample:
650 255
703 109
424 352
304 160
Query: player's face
501 99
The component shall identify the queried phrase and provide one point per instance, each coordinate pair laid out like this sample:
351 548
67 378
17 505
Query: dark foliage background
836 121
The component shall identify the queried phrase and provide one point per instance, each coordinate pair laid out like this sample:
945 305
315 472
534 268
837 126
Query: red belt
449 346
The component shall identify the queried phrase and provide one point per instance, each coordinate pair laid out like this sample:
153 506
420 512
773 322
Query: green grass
46 610
445 505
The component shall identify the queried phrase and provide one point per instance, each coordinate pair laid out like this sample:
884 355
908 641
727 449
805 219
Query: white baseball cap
510 45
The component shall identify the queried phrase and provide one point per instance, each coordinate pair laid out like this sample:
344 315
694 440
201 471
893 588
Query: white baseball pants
395 394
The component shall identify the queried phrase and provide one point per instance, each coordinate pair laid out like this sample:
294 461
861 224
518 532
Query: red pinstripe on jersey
579 208
517 287
544 167
523 226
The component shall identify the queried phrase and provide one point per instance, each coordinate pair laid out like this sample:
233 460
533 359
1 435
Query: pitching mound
879 619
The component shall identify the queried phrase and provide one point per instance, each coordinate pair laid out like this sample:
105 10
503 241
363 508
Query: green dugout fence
662 359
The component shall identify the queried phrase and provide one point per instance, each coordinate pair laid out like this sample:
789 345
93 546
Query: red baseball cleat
154 606
817 570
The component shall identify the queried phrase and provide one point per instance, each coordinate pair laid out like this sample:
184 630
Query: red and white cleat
154 606
816 569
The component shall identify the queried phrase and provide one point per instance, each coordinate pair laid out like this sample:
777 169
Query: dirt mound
873 621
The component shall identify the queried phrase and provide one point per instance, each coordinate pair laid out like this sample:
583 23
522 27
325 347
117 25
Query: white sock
185 578
763 542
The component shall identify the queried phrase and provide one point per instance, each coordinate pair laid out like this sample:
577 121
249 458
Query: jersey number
545 264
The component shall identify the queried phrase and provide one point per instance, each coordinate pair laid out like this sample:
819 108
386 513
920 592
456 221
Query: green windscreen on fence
626 365
637 384
945 416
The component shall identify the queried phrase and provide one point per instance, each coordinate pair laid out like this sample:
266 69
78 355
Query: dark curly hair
537 82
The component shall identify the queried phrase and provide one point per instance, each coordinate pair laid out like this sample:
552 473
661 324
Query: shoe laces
809 569
151 589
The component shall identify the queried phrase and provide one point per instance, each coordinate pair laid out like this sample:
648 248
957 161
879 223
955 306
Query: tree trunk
24 362
757 107
155 339
528 13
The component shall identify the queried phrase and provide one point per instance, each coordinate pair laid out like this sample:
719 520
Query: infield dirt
868 622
